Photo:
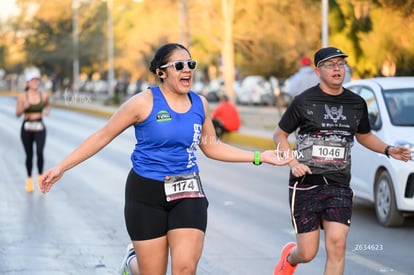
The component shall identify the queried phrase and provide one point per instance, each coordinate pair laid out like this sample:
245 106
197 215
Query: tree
376 36
47 29
229 38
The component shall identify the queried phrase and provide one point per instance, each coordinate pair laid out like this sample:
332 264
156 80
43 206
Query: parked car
386 182
255 90
215 89
285 97
211 90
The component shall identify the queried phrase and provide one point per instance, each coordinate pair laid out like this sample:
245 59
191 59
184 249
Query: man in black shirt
327 117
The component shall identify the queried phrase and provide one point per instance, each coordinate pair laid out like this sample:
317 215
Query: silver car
255 90
386 182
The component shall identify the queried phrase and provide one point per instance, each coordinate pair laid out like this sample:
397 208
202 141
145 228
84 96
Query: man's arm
281 141
280 138
373 143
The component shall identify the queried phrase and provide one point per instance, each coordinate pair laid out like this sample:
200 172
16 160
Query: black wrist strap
387 151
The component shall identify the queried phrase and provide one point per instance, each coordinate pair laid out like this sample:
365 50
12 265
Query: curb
249 140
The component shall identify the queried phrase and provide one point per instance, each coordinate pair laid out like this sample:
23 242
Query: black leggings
28 138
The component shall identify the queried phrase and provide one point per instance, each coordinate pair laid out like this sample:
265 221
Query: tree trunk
227 50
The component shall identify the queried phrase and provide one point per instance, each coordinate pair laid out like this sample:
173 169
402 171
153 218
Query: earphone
160 73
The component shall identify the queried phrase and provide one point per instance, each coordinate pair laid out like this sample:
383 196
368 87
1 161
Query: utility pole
75 39
184 23
325 23
111 74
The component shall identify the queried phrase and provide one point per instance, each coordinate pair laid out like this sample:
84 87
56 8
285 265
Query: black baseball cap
326 53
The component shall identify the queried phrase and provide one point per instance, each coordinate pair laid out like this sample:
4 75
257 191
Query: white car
386 182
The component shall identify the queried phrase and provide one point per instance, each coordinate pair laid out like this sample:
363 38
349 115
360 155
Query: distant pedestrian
328 118
303 79
165 204
33 104
225 117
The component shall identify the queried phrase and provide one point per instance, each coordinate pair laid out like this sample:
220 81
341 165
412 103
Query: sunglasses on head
179 65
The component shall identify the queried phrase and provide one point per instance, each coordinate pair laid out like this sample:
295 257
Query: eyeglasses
331 64
179 65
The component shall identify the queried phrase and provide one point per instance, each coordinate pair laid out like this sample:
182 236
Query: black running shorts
310 205
148 215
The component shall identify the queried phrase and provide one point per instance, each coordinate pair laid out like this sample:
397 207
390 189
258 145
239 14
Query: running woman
33 104
165 205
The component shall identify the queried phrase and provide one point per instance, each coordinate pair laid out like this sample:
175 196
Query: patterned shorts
312 204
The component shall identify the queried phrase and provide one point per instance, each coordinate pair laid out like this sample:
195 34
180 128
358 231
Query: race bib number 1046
328 153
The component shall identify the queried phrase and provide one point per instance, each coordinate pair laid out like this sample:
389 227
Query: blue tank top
166 140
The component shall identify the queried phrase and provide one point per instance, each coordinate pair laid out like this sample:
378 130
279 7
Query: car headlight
408 145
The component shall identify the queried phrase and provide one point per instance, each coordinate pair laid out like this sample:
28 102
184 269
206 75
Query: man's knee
303 254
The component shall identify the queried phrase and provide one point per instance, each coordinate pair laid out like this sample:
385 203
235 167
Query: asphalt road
78 228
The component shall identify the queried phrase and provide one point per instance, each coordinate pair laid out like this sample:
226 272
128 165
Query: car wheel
385 203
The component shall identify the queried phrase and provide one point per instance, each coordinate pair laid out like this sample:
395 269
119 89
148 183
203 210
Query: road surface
78 228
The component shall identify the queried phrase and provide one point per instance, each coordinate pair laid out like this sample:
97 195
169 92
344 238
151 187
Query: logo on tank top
334 113
163 116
